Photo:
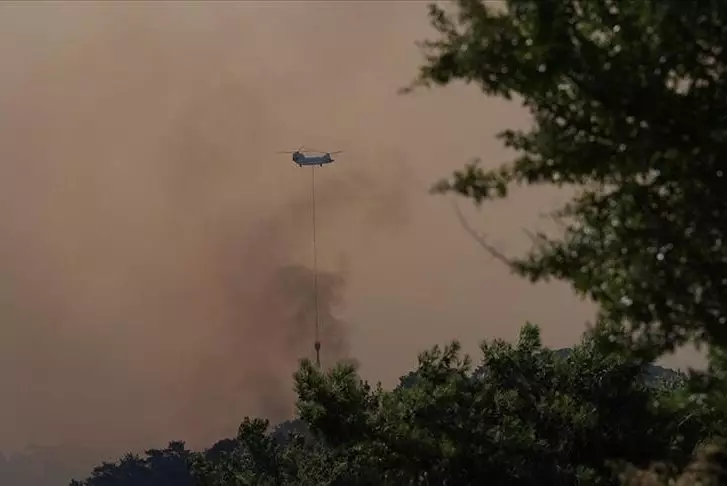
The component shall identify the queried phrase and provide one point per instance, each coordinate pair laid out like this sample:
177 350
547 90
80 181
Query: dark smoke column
253 373
287 333
297 281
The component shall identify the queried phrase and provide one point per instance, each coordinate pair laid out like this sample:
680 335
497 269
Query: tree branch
494 252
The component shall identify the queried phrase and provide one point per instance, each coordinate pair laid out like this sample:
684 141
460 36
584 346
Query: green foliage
522 415
708 468
166 467
526 415
628 101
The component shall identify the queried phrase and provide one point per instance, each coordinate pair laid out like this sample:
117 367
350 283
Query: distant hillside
654 373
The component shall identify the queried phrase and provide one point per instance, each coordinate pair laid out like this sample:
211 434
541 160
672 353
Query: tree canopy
524 414
629 106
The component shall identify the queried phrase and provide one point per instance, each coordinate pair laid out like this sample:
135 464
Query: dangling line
317 342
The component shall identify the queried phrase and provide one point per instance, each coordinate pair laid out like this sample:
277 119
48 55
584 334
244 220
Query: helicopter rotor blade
301 149
324 151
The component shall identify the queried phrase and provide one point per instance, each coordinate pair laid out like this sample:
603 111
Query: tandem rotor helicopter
302 158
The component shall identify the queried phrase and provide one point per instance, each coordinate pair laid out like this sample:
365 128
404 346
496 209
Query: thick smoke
156 253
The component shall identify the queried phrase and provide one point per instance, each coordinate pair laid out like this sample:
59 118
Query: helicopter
300 157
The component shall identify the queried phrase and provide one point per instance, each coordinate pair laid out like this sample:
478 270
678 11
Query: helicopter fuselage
302 160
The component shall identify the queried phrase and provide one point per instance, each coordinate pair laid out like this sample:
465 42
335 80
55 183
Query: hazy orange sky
144 210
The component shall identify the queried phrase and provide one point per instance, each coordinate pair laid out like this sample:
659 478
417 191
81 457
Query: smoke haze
156 251
148 228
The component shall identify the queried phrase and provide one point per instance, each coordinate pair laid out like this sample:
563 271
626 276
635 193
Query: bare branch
534 238
494 252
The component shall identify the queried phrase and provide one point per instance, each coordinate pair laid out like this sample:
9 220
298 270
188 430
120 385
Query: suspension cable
317 342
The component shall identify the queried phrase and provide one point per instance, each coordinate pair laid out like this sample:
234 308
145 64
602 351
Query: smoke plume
156 252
